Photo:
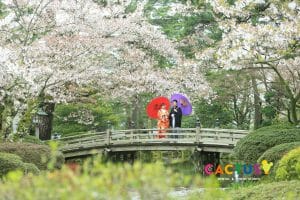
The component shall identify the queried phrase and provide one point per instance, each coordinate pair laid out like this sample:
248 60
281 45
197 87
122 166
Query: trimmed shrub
280 126
31 168
251 147
275 190
10 162
60 160
289 166
31 153
32 139
275 153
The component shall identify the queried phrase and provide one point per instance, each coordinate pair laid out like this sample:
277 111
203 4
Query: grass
268 191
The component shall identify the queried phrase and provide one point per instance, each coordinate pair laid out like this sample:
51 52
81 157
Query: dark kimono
177 114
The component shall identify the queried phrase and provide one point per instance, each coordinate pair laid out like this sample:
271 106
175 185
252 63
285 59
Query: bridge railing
144 136
151 135
188 135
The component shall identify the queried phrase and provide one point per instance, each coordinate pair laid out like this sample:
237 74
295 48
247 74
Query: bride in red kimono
163 121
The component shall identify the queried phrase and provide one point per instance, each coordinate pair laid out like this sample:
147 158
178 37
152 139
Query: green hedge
289 166
31 168
268 191
251 147
32 153
279 126
10 162
275 153
31 139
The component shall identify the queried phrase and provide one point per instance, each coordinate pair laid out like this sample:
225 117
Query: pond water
178 193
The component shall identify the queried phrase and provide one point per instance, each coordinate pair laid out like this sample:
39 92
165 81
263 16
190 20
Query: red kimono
163 122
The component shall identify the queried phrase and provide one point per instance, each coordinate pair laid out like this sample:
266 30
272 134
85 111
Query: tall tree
57 47
261 35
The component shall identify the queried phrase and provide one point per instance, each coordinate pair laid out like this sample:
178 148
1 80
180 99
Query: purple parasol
183 103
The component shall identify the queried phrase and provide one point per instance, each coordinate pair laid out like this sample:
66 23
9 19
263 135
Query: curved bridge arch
200 139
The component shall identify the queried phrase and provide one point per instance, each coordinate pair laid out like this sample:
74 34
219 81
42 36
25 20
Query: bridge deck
211 140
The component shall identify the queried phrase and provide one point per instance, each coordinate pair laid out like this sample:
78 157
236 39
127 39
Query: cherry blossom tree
54 48
270 44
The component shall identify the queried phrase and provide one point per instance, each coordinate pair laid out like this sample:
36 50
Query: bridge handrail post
131 136
198 134
108 134
198 127
216 135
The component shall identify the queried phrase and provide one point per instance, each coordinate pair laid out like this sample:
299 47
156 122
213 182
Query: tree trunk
6 122
128 114
1 118
257 105
235 109
135 112
293 111
6 117
45 128
289 115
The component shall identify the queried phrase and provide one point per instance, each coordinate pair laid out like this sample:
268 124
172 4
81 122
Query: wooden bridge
199 139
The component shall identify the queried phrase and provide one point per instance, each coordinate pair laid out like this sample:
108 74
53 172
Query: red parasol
155 104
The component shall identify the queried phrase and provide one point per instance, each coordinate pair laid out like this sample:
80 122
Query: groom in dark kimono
175 116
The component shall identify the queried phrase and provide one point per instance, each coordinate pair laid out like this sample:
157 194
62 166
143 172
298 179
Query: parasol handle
173 120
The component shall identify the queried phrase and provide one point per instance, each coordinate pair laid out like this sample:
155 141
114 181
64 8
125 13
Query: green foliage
101 2
161 61
275 153
196 3
26 120
269 112
31 168
274 103
183 167
98 181
231 95
57 159
10 162
189 121
231 2
3 11
212 191
278 126
131 7
257 11
6 116
289 166
181 27
21 33
67 129
31 139
179 161
95 180
83 117
215 33
210 110
188 50
289 190
212 32
30 153
251 147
